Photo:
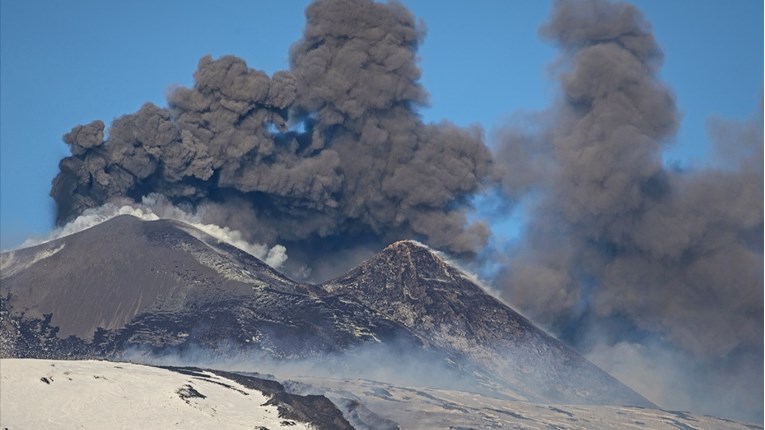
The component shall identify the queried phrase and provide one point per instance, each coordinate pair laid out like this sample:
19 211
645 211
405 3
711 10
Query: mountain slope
411 284
124 267
163 287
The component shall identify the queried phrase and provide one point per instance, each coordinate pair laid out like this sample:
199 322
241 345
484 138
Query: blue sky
64 63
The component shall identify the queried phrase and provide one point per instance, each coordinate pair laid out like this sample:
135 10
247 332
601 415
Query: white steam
90 218
274 257
154 207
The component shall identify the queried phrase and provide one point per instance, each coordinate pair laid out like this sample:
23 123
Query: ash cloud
332 148
619 243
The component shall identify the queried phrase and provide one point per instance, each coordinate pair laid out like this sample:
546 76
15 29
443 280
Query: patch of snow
330 287
10 265
466 274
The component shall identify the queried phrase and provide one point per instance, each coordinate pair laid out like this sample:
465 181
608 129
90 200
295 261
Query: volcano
164 287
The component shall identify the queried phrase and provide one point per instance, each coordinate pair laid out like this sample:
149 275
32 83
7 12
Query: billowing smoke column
619 247
333 148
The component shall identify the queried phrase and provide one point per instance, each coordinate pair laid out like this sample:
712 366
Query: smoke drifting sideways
622 254
332 149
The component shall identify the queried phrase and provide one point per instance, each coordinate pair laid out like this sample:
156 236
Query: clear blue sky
68 62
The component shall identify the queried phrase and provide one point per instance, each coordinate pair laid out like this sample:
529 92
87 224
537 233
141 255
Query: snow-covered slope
46 394
431 409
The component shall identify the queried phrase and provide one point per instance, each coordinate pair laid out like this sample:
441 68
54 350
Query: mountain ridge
410 283
163 287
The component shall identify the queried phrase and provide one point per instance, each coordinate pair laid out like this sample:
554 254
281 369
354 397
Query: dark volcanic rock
409 283
314 409
164 286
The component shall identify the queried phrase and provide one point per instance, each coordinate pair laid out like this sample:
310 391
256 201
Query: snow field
48 394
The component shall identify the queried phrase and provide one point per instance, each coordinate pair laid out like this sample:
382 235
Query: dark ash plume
334 147
616 239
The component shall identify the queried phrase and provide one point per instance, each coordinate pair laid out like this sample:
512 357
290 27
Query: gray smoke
617 242
333 148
